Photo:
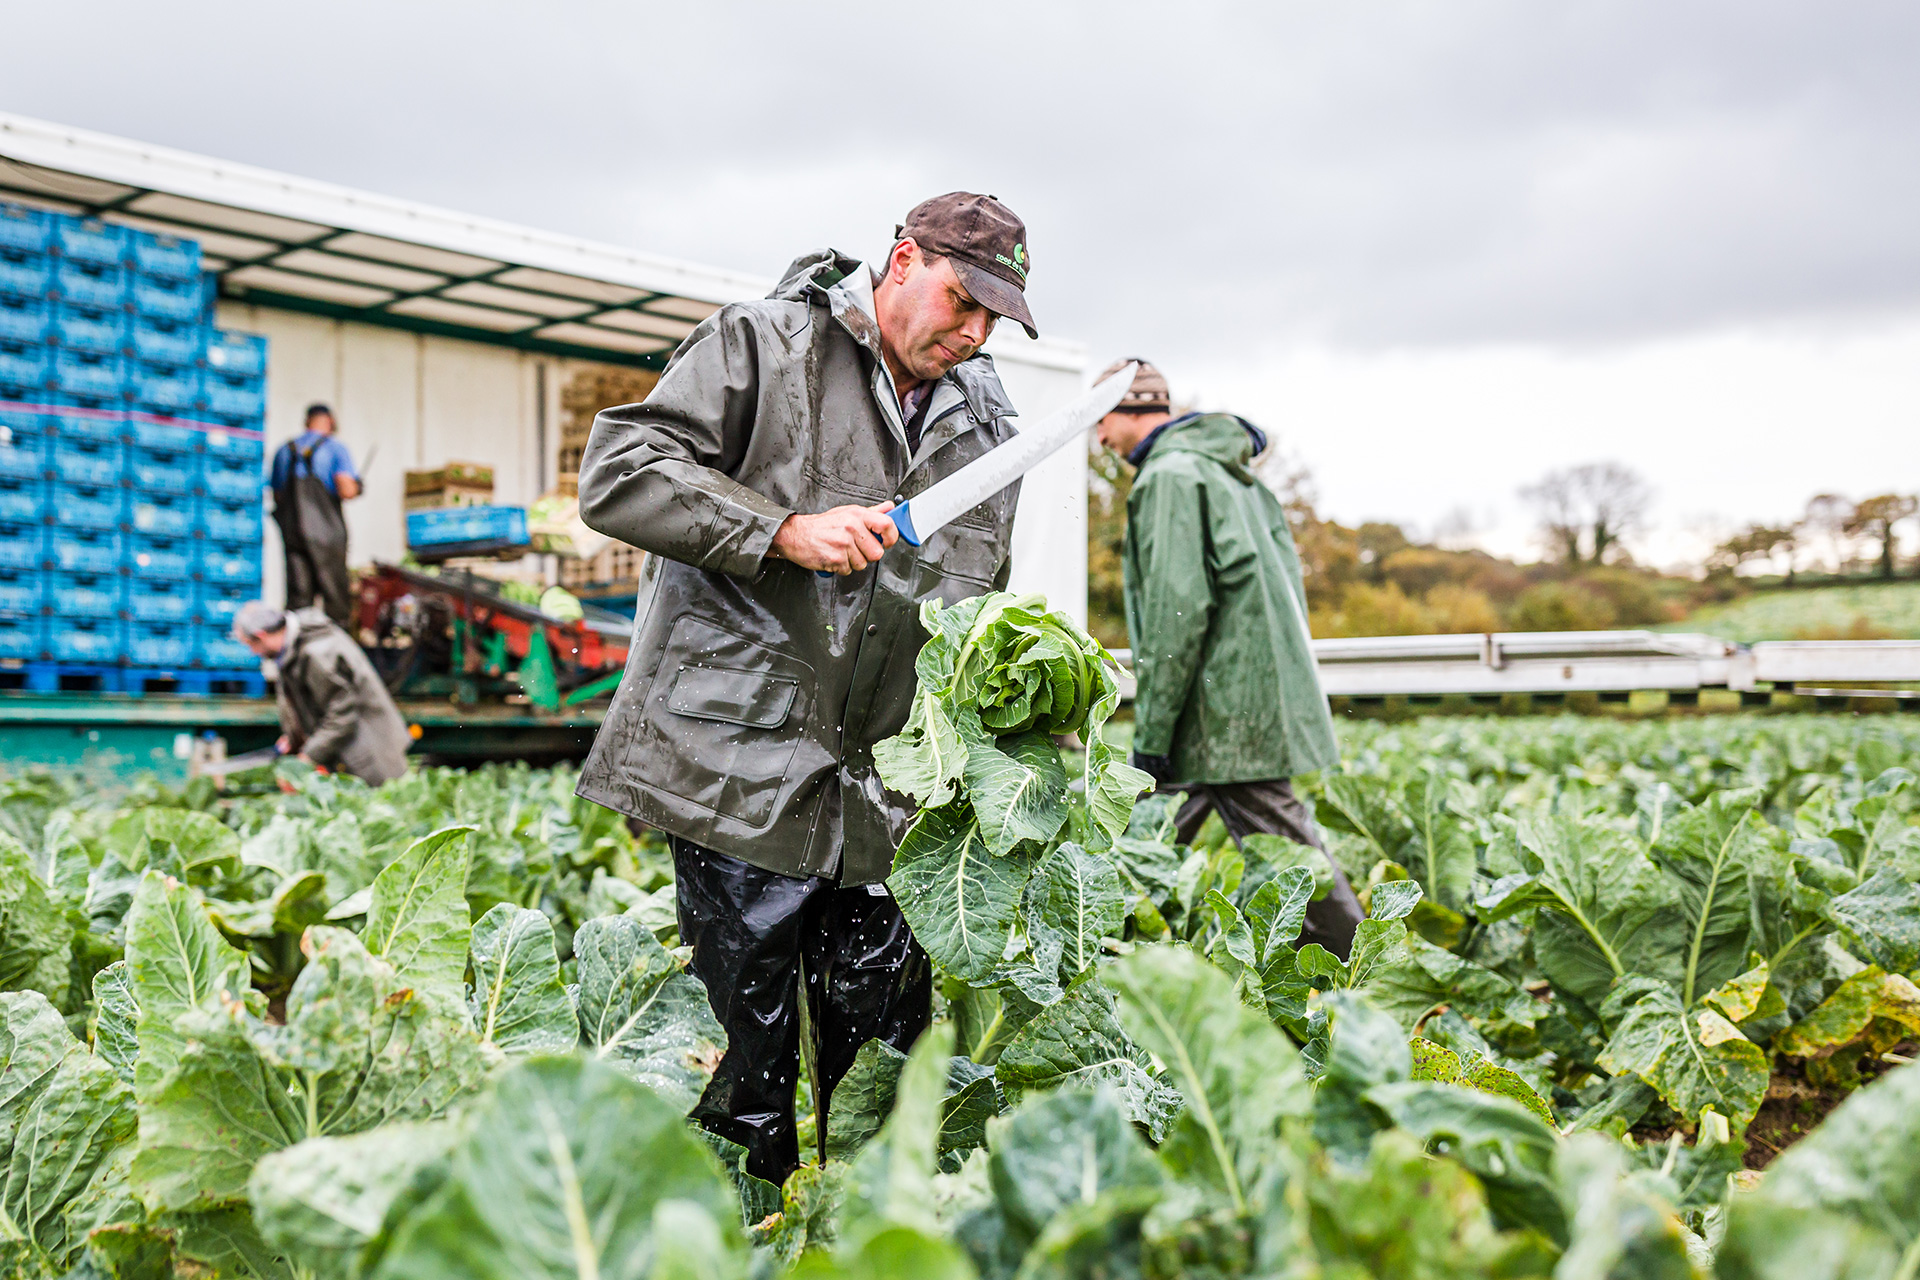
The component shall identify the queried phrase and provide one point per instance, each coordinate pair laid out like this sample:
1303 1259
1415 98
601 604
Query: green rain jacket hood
754 689
1217 615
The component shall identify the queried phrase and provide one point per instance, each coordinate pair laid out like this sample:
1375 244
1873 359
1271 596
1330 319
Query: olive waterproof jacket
755 689
1217 616
333 706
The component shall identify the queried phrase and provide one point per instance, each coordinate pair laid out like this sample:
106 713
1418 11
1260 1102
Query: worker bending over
780 435
1229 706
333 707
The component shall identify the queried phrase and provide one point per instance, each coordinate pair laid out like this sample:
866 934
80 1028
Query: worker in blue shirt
312 475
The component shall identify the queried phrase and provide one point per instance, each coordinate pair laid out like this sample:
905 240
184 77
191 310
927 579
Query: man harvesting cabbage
766 459
1229 706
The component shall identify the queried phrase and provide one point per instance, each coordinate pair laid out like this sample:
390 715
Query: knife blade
237 764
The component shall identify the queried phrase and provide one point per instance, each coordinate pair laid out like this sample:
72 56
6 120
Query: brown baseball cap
987 244
1148 393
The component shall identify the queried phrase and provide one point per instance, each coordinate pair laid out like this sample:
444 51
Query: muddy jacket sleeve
658 475
335 691
1173 601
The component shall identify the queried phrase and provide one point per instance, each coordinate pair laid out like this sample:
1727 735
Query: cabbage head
1021 667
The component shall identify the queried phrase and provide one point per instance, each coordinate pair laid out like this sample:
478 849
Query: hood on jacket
1227 438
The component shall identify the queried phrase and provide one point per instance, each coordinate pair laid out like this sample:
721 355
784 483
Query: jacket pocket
723 722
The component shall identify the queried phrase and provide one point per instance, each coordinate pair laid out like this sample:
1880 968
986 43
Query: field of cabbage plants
1632 1000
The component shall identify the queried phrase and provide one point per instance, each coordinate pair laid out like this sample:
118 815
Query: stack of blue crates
131 440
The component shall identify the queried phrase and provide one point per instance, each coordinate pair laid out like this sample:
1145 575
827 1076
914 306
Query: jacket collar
1232 456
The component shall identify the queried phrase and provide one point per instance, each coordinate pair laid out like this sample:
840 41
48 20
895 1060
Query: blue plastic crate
84 595
20 638
23 453
233 395
25 275
160 644
164 515
162 388
25 417
86 374
229 562
25 230
22 501
219 651
151 557
100 330
22 365
24 320
237 353
165 434
161 470
168 299
164 256
23 546
448 525
160 599
231 479
168 342
19 590
87 418
89 284
90 640
95 463
227 442
85 550
87 506
215 603
238 522
89 240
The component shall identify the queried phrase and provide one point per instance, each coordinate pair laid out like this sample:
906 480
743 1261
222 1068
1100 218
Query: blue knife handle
902 517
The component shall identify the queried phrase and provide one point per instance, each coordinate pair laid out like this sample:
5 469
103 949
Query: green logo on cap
1018 261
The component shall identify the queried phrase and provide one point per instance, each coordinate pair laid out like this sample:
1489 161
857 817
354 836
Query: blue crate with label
90 240
85 550
164 515
84 595
87 506
87 418
159 644
100 330
237 353
27 275
23 546
19 590
25 230
23 365
168 435
455 525
166 257
236 443
219 651
215 603
231 479
161 470
89 640
160 599
24 320
86 374
20 638
233 395
152 557
229 521
97 463
166 342
23 453
89 285
22 501
162 388
236 563
168 299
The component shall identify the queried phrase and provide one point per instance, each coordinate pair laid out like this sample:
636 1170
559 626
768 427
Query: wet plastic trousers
321 571
1272 807
751 932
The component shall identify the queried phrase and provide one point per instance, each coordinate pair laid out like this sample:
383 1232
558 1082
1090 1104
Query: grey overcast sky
1436 246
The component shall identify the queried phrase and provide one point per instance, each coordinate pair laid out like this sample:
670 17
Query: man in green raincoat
1229 706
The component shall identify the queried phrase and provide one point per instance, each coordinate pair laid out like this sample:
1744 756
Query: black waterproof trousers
321 571
1272 807
752 933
